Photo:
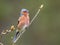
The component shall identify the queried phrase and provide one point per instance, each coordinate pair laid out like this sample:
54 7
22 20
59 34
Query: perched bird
23 20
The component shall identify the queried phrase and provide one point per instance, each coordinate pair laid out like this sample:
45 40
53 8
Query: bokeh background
45 30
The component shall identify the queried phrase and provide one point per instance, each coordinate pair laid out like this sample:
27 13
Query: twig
30 23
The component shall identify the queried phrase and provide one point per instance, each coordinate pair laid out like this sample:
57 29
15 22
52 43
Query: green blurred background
45 30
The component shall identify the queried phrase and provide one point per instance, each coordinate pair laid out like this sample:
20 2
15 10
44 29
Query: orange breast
23 19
